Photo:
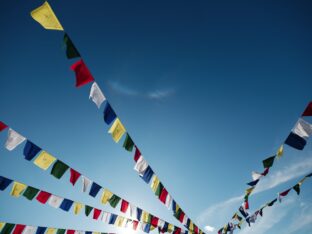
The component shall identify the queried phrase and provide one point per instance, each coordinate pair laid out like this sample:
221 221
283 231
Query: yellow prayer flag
96 233
77 207
106 196
1 225
280 151
45 16
50 231
117 130
17 189
191 228
144 217
119 221
44 160
170 227
155 183
249 190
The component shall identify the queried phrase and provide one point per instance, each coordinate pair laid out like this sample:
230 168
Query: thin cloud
160 94
209 228
302 219
122 89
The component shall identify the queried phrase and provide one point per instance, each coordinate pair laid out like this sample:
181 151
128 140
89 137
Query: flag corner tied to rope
45 16
117 130
2 126
83 75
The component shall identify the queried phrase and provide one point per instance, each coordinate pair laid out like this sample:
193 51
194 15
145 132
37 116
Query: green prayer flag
268 162
159 189
88 210
177 213
7 229
58 169
297 188
128 143
149 220
71 51
30 192
60 231
113 201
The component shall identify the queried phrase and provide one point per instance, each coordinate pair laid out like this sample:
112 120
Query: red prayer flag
83 75
155 221
266 171
124 206
308 110
196 229
135 224
2 126
182 214
43 197
19 228
163 195
246 204
69 231
177 230
285 192
74 176
137 154
96 213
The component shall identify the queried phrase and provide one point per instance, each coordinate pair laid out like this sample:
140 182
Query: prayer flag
139 213
280 151
30 230
272 202
88 210
45 16
41 230
283 194
7 229
147 176
85 183
308 110
19 228
303 128
71 51
154 184
2 126
137 154
106 196
74 176
159 189
44 160
109 114
17 189
266 171
168 201
66 204
13 140
51 231
154 221
83 75
128 143
96 95
249 191
43 197
55 201
243 212
30 192
163 195
96 213
58 169
256 175
4 183
117 130
114 200
60 231
77 207
69 231
124 206
95 188
141 166
295 141
112 219
267 163
297 188
31 150
309 175
1 225
253 183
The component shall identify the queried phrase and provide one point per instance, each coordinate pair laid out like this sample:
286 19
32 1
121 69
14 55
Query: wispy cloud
209 228
122 89
160 94
302 219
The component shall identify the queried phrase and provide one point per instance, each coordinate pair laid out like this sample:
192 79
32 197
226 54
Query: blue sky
207 90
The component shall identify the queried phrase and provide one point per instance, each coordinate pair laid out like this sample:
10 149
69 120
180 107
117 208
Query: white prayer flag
30 230
85 183
303 129
55 201
168 201
96 95
133 211
13 140
256 175
141 166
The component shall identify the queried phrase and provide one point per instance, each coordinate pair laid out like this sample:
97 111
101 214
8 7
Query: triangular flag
117 130
71 51
128 143
96 95
17 189
4 183
74 176
297 188
308 110
253 183
88 210
256 175
2 126
268 162
83 75
55 201
45 16
13 140
249 190
271 203
283 194
280 151
58 169
44 160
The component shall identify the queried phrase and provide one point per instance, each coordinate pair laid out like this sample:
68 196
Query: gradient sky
206 89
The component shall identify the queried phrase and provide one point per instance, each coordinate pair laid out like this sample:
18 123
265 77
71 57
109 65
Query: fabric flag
19 228
1 225
74 176
117 130
69 231
95 188
155 183
88 210
295 141
83 75
45 16
71 51
280 151
31 150
124 206
243 212
249 191
139 213
251 219
13 140
43 197
77 207
2 126
55 201
114 200
17 189
163 195
85 183
30 230
237 217
159 189
44 160
51 231
266 171
137 154
96 95
109 114
297 188
283 194
154 221
128 143
58 169
133 211
96 213
303 129
256 175
66 204
272 202
253 183
141 166
30 192
4 183
147 176
308 110
112 219
41 230
268 162
168 201
106 196
7 229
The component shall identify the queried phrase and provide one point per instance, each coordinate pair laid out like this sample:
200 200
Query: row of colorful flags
45 16
251 218
44 160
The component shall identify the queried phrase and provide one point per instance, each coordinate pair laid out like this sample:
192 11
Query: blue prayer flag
112 219
4 183
66 204
109 114
30 150
139 213
41 230
295 141
95 188
147 176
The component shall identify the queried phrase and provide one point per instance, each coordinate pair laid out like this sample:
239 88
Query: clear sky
206 89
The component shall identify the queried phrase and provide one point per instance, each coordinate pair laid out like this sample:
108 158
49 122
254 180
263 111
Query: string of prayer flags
30 150
96 95
83 75
71 51
14 139
128 143
299 135
59 168
2 126
308 110
45 16
44 160
109 114
117 130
